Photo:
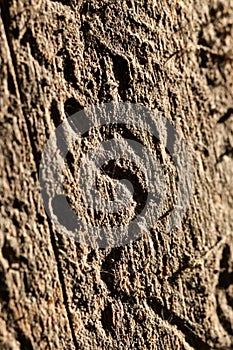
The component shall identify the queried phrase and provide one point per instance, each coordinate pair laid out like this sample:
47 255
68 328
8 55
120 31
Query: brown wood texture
166 290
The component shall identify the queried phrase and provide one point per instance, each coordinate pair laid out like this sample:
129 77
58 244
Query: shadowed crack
186 328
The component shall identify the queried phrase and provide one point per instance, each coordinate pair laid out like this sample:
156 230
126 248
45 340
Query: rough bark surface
163 291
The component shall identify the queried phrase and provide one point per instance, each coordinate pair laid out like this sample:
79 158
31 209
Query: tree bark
165 290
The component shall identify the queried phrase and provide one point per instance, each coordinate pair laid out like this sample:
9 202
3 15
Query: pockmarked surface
165 289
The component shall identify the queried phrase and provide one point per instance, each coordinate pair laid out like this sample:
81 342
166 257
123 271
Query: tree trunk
164 290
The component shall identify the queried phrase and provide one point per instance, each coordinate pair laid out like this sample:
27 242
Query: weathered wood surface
164 291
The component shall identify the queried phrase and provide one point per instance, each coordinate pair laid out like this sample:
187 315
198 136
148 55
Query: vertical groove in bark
12 335
5 18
